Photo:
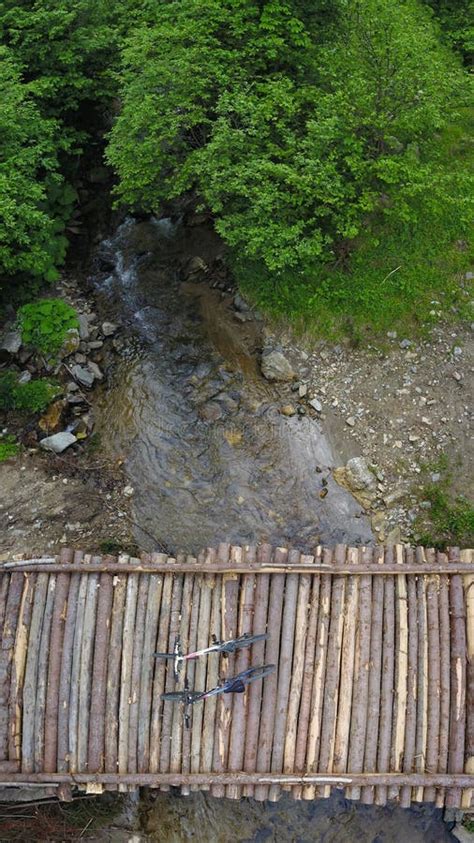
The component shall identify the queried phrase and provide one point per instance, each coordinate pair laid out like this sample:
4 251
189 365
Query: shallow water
245 474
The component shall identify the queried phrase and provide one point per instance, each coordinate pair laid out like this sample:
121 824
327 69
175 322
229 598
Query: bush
31 397
45 323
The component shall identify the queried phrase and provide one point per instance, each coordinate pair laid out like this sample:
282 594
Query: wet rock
195 268
109 329
241 304
71 343
51 419
58 442
10 342
83 326
210 412
84 376
288 410
96 371
357 477
276 367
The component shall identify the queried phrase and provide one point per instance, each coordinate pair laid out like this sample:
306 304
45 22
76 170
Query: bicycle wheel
248 640
254 673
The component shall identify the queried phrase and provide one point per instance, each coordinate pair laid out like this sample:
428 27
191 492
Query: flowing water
211 458
207 451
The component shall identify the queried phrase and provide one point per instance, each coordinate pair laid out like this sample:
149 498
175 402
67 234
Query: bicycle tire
253 673
177 696
252 639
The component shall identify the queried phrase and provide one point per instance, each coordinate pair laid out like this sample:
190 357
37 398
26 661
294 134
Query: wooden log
241 778
4 585
31 673
8 632
212 679
375 675
177 727
434 678
412 685
317 694
269 691
76 674
422 690
137 656
229 619
242 662
307 681
96 747
160 674
190 671
284 673
147 669
387 684
346 683
85 677
445 675
333 667
18 668
166 737
360 696
114 661
257 656
66 669
42 675
128 635
54 670
467 556
203 665
297 671
457 728
401 672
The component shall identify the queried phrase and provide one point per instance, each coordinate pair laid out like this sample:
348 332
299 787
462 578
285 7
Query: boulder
84 376
10 342
357 477
58 442
276 367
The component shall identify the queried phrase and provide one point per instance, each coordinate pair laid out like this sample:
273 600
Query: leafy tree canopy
290 125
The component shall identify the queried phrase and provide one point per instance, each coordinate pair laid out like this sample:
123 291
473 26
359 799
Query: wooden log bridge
373 691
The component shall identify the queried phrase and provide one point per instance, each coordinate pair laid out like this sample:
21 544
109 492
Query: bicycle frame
224 647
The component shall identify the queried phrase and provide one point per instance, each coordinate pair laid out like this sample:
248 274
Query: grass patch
9 447
397 276
31 397
450 519
56 821
114 547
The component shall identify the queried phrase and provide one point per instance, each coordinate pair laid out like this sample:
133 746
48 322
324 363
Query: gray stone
469 276
241 304
392 335
359 474
94 345
109 329
59 442
83 326
351 421
275 366
11 342
405 344
96 371
457 351
84 376
211 411
25 377
316 405
303 390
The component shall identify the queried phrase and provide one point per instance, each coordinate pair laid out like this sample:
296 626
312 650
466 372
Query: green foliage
456 18
45 323
31 397
9 447
291 128
450 519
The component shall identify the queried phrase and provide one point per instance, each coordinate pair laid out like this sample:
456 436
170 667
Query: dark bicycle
232 685
224 647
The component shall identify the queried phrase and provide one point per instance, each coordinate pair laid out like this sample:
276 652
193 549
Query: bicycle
232 685
224 647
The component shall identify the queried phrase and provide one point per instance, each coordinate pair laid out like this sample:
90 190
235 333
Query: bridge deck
374 688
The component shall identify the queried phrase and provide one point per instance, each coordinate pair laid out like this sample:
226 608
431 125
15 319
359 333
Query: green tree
287 125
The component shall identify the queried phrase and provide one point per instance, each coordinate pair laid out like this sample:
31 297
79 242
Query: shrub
45 323
32 397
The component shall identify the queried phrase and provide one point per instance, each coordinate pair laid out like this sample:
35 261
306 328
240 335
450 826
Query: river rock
109 329
96 371
58 442
357 477
83 326
276 367
288 410
316 405
10 342
84 376
195 268
241 304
